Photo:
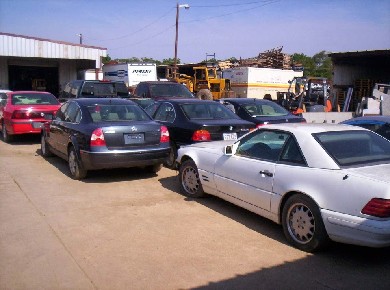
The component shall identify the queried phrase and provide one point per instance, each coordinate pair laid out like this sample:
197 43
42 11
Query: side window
60 115
263 145
3 99
292 153
141 91
165 113
71 112
74 90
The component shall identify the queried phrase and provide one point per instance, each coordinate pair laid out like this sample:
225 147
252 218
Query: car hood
377 172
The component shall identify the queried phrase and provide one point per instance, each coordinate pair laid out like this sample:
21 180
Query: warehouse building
30 63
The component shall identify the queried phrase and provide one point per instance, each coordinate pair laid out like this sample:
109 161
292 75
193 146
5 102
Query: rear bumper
123 159
24 127
356 230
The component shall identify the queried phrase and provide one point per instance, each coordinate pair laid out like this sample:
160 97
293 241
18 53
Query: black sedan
260 111
100 133
193 120
378 124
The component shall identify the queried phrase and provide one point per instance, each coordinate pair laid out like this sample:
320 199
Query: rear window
101 113
34 99
205 110
103 89
352 148
170 90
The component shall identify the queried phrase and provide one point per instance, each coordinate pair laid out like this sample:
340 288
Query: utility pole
186 6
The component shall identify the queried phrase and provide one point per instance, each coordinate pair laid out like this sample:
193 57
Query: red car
24 112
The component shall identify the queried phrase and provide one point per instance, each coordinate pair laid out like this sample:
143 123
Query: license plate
229 136
37 125
134 138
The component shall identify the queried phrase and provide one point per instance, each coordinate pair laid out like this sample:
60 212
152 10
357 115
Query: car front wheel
189 179
76 169
303 225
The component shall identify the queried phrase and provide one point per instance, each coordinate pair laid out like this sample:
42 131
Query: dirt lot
126 229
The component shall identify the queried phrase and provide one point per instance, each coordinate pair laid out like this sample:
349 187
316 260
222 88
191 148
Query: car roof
311 128
159 83
186 100
103 101
381 118
28 92
246 100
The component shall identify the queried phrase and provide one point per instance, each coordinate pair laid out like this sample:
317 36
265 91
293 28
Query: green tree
170 61
323 65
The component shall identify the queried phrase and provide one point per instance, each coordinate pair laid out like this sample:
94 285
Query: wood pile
273 58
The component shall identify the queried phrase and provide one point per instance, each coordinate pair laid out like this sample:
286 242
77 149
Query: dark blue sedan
260 111
378 124
192 120
99 133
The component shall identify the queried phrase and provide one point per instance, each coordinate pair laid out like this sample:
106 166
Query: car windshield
101 113
96 89
355 148
206 110
265 109
170 90
34 99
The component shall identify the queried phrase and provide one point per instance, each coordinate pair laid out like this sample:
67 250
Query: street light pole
186 6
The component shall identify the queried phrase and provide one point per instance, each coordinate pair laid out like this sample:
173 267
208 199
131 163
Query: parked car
321 182
93 89
261 111
158 90
99 133
24 112
194 120
378 124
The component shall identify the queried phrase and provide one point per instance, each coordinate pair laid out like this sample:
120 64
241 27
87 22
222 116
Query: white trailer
90 74
253 82
130 73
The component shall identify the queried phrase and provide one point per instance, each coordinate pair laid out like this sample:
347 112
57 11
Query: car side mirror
228 150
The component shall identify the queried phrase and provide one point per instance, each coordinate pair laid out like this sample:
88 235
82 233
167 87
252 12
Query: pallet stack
363 88
273 58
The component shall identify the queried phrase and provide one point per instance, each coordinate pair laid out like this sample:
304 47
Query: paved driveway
126 229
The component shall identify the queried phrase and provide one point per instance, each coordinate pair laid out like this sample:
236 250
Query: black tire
204 94
45 148
302 224
154 168
6 137
190 183
76 169
170 162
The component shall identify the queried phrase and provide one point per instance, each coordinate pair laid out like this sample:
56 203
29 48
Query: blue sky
228 28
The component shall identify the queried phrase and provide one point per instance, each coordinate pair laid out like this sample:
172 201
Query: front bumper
356 230
123 158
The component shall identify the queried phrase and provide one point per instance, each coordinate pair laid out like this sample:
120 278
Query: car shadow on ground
349 253
100 176
25 139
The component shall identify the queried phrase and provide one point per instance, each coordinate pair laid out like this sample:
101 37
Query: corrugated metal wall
18 46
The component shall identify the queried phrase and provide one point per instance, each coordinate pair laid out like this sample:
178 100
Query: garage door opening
33 78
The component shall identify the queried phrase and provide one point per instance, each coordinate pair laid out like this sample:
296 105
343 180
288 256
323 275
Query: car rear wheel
45 150
204 94
6 138
189 179
303 225
170 162
76 169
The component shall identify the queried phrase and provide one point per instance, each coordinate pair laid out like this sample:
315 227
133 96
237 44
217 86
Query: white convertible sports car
322 182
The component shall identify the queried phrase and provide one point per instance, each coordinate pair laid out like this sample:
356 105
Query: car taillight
378 207
97 138
201 135
20 115
164 135
259 125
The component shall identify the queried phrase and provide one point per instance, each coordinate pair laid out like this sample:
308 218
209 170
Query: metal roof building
25 59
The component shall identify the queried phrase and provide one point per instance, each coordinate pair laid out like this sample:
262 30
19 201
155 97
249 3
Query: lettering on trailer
142 71
119 73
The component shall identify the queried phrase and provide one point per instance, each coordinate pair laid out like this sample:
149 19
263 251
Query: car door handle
266 173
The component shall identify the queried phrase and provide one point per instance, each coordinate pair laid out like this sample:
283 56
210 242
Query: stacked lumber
364 87
273 58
